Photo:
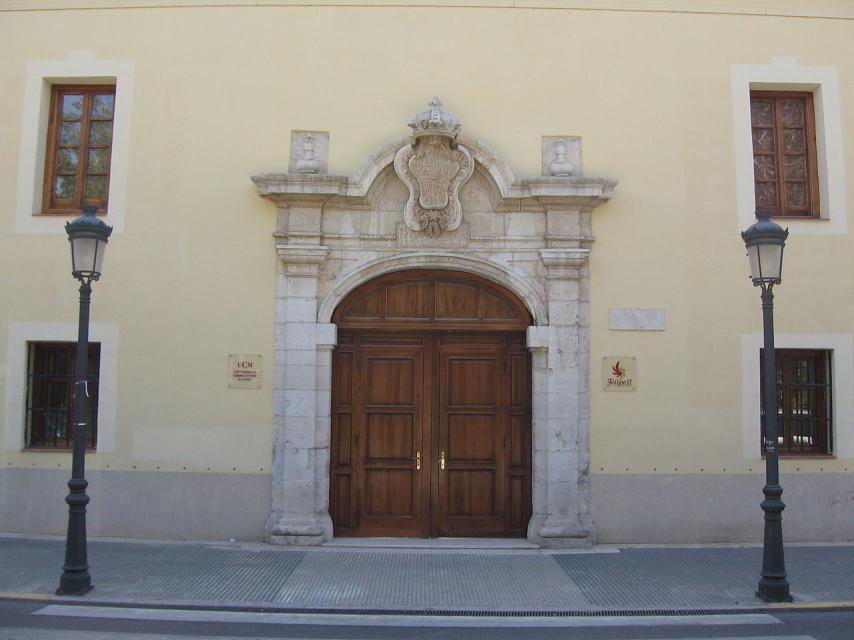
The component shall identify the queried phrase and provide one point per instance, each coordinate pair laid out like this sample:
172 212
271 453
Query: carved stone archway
532 236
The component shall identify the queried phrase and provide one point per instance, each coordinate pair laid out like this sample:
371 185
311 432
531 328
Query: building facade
428 270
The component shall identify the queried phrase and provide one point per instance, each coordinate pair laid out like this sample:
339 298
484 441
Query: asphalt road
45 620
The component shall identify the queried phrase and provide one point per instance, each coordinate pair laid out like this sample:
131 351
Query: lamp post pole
773 586
88 238
765 241
75 579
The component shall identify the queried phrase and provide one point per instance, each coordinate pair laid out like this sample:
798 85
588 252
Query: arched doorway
431 409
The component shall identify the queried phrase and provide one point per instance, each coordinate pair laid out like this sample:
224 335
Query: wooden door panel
431 300
457 300
517 447
495 308
343 439
389 437
340 503
390 381
471 433
471 494
517 501
520 395
471 382
390 492
409 300
341 490
518 456
396 394
390 412
471 438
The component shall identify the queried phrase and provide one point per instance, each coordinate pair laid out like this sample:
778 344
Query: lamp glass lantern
88 238
765 241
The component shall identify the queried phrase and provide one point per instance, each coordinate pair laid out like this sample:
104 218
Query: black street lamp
88 237
765 241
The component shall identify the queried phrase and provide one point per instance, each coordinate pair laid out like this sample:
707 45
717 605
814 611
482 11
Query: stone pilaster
300 513
560 415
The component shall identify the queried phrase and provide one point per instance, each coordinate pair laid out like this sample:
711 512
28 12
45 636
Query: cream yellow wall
217 91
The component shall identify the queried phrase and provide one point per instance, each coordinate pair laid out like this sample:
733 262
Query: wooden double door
431 434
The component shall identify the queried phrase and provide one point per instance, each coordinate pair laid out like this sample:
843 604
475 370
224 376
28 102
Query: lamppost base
773 591
74 586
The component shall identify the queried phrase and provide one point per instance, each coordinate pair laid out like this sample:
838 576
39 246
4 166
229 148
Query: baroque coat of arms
434 168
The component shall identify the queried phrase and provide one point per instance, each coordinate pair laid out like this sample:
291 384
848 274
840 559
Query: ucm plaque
244 371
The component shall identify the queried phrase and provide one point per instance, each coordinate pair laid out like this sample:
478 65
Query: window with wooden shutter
79 146
785 171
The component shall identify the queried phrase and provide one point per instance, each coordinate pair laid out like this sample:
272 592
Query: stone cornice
286 189
567 193
302 259
784 8
574 193
304 254
564 257
564 262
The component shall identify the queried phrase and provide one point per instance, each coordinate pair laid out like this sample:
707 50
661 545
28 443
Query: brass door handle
442 460
418 461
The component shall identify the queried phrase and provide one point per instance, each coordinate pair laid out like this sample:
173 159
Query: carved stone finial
434 169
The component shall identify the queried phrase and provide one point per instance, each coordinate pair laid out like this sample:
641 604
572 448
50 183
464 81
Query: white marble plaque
637 319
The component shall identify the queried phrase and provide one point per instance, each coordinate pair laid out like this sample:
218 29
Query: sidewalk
496 581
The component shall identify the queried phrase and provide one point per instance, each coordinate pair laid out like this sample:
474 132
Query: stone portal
531 236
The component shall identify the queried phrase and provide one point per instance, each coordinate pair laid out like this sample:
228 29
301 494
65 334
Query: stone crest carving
434 168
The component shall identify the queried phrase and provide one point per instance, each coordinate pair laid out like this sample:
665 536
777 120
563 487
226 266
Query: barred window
50 394
804 402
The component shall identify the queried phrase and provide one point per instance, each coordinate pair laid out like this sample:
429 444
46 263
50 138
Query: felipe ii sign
619 373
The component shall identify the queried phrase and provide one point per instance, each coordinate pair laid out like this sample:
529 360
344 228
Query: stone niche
434 199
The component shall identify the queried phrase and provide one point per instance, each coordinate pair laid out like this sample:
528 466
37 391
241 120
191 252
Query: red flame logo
617 370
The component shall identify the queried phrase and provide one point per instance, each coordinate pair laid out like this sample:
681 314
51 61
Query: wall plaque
244 371
619 373
636 319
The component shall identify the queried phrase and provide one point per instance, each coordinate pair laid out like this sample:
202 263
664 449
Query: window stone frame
80 67
841 347
787 74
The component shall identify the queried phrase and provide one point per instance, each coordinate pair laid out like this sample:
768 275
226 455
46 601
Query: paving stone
493 580
146 571
499 581
667 578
